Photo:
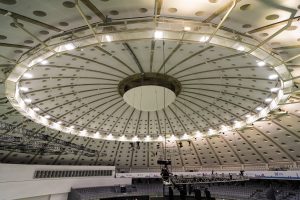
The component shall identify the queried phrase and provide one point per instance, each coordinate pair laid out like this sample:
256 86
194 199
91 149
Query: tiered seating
255 190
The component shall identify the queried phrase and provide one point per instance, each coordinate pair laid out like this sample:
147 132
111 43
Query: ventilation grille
71 173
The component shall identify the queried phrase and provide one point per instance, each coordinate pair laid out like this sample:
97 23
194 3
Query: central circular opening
149 91
149 98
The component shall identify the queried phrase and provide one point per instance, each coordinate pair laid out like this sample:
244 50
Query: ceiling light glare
69 46
172 138
261 63
204 39
59 122
148 138
274 89
248 116
268 100
83 132
187 28
27 100
108 38
47 117
241 48
198 134
97 135
44 62
160 138
259 108
123 138
24 89
158 35
224 128
36 109
237 124
211 132
27 75
135 138
273 76
185 136
109 137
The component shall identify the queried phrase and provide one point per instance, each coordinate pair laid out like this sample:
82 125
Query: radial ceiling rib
91 120
277 145
153 42
148 151
198 128
206 62
8 59
108 101
178 119
158 122
95 108
213 150
193 145
251 145
131 158
171 54
194 112
70 77
157 9
210 105
81 69
226 85
137 62
222 92
113 126
98 63
232 149
95 10
128 121
188 58
288 47
29 20
179 153
137 124
216 70
273 25
80 99
71 86
15 46
286 129
115 155
64 95
218 99
148 123
218 12
227 77
168 122
100 151
115 57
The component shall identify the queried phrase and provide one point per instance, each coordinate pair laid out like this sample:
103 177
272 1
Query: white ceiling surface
202 104
75 92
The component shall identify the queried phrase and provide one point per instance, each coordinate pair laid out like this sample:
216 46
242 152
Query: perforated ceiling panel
220 86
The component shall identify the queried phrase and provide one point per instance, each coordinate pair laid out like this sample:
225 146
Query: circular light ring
261 53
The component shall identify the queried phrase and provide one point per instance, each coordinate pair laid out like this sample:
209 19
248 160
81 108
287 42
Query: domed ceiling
104 82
